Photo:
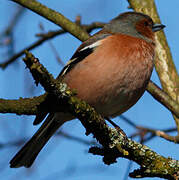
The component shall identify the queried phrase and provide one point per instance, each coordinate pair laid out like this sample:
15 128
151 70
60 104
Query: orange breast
115 76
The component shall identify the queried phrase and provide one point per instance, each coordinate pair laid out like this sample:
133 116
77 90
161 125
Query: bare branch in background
9 30
143 132
7 36
54 50
163 98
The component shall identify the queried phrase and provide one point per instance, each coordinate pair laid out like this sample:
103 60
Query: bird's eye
146 23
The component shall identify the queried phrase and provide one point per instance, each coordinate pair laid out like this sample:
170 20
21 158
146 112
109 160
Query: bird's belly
110 96
117 101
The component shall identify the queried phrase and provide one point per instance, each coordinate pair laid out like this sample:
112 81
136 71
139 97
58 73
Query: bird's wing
83 51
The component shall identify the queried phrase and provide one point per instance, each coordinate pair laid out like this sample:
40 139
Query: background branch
163 98
9 30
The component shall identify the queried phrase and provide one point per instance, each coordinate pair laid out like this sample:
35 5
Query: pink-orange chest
115 73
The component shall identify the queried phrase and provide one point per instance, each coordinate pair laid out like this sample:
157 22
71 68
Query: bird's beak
157 27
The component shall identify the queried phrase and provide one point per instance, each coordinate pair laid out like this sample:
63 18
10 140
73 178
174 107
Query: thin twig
59 60
15 18
142 132
76 139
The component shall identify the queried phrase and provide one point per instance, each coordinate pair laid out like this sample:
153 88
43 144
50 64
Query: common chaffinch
110 71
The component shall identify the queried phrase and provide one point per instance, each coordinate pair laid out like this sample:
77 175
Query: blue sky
62 158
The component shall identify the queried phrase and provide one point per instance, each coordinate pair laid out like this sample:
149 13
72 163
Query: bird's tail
26 156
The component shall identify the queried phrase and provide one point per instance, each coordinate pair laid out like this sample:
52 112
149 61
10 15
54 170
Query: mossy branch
21 106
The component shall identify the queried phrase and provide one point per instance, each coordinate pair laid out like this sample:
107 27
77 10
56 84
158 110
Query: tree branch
26 106
143 132
20 10
163 98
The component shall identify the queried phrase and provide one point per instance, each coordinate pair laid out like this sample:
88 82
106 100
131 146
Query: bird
110 71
